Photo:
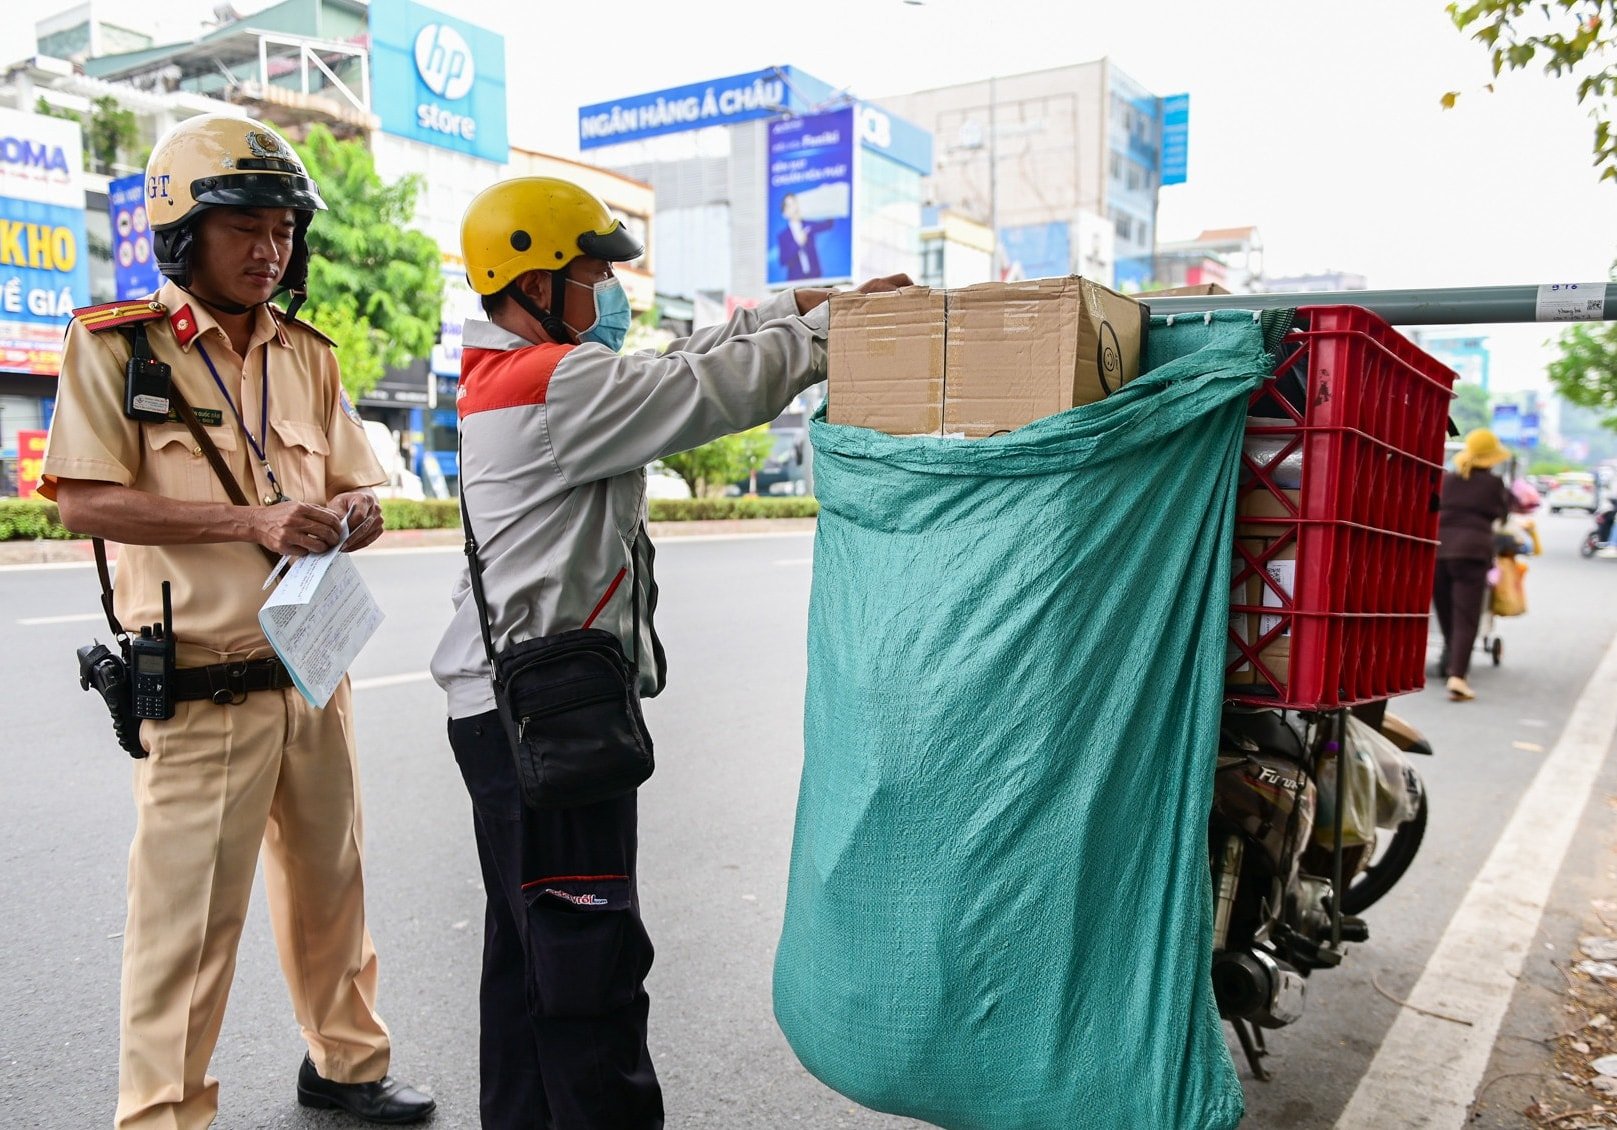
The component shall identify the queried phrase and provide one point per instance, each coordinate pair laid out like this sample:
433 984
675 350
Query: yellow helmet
219 161
537 224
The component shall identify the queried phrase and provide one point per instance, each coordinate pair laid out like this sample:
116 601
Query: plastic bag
1509 591
1360 784
1396 795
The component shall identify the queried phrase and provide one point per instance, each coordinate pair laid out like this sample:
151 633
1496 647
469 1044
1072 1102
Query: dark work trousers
565 956
1462 585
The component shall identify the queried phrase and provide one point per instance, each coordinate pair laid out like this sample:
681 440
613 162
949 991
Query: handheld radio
146 382
151 662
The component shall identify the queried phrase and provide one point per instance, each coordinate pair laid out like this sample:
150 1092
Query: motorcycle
1593 543
1315 817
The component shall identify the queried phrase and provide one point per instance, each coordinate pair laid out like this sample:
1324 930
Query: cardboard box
1256 539
1197 291
980 360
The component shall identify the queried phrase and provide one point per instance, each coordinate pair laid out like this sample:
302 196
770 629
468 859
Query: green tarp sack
999 909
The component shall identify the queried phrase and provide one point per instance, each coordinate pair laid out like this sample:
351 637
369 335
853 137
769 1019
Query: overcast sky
1317 121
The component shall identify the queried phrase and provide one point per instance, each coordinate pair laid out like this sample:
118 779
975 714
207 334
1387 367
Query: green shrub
29 518
711 509
22 519
427 514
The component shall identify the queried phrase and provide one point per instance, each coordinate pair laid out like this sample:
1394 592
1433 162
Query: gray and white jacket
554 444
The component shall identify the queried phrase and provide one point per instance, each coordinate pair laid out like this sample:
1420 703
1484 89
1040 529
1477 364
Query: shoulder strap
141 348
474 566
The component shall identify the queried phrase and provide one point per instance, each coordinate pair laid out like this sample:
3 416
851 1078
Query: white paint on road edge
71 618
1427 1071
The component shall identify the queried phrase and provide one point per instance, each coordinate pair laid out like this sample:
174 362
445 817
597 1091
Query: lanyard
275 495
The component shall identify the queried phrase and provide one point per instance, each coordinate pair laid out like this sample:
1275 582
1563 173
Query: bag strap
475 574
474 564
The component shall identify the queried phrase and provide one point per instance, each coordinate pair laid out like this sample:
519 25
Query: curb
47 552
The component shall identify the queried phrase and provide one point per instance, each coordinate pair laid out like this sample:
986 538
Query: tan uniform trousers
218 781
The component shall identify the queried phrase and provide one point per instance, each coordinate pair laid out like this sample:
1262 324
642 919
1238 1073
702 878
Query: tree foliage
1570 38
375 285
1586 371
713 466
1472 407
109 130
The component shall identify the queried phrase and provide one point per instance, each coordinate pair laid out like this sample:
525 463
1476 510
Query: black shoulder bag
569 704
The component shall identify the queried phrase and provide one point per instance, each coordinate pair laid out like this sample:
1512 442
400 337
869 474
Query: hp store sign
438 79
444 62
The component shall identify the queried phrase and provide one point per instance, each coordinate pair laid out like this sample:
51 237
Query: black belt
229 683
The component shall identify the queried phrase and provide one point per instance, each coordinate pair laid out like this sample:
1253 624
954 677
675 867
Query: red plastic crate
1361 522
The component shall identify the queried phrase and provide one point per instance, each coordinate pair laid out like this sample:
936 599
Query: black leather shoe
386 1101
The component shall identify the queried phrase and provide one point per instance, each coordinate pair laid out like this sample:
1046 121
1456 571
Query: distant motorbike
1315 817
1593 543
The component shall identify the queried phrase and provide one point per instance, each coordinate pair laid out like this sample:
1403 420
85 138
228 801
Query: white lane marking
390 680
1427 1070
75 618
796 561
45 566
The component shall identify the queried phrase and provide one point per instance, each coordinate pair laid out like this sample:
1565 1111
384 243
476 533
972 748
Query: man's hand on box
890 282
810 297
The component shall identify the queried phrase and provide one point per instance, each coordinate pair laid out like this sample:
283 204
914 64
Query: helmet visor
259 190
618 245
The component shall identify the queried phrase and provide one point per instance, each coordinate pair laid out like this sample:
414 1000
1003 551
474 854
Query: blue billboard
747 97
1175 138
718 102
1037 251
134 262
1507 422
811 197
438 80
44 257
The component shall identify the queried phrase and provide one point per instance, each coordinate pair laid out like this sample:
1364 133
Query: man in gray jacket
556 430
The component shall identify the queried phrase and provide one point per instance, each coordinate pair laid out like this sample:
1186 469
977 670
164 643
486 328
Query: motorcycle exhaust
1253 986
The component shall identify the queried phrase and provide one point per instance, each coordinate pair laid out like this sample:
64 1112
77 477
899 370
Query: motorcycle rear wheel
1590 544
1389 866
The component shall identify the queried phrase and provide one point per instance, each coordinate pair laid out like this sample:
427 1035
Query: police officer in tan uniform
245 758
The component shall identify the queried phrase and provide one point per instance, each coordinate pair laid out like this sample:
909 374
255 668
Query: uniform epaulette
289 320
112 315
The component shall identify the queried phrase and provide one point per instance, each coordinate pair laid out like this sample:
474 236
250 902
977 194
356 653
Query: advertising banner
746 97
460 303
811 178
30 462
720 102
437 79
1036 251
1507 422
44 274
134 262
1175 138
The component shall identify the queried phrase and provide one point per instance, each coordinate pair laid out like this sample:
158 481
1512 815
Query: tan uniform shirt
313 440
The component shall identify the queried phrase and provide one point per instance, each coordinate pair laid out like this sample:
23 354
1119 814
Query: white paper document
318 619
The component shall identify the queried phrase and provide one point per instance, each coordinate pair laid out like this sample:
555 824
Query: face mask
612 316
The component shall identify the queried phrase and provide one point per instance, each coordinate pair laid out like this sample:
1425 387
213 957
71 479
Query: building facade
1050 159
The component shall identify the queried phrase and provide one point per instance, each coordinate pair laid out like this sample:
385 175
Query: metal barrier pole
1462 305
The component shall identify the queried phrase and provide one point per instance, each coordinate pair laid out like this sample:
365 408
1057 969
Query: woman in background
1473 502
